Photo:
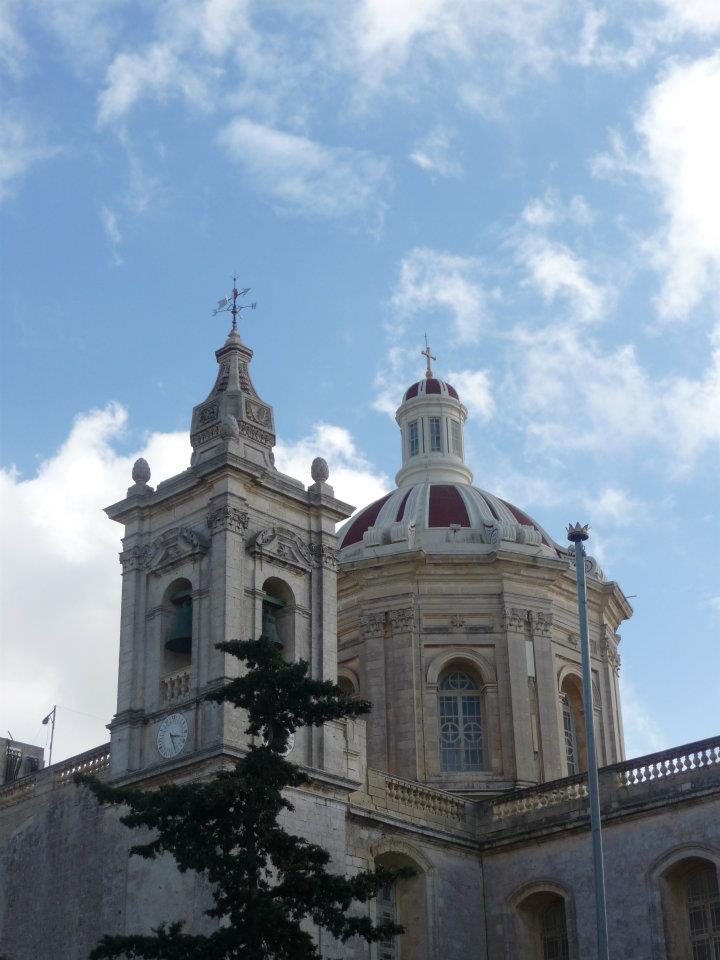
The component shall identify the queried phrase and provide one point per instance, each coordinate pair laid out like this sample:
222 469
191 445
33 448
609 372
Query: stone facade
429 585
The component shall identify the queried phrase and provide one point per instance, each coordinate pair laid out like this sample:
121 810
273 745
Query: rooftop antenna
428 356
51 716
230 304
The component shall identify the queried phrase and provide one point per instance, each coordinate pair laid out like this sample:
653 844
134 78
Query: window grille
414 439
455 445
461 746
435 435
553 932
571 752
702 899
387 912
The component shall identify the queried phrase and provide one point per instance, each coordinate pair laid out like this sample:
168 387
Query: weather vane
428 356
230 304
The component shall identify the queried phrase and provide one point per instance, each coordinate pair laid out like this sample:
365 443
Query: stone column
225 617
552 756
520 721
372 630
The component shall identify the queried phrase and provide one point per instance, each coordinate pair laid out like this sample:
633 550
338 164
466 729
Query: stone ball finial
319 470
229 429
141 471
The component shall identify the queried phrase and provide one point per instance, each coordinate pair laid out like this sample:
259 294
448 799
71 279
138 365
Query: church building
455 613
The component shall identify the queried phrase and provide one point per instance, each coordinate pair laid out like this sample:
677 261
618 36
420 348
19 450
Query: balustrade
92 762
668 763
617 780
175 686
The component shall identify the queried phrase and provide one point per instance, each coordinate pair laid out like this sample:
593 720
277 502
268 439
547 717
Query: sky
532 184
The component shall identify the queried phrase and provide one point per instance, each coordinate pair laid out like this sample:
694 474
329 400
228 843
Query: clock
172 735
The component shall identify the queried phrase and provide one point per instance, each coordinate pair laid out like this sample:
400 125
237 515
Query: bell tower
226 550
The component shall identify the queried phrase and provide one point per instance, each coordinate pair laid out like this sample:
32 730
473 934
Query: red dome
429 386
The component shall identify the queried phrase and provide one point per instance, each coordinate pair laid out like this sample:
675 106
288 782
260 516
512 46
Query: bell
179 636
269 620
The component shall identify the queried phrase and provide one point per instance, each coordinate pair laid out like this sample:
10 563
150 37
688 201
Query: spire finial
428 357
230 304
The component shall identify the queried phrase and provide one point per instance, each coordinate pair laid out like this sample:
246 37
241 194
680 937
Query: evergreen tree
264 880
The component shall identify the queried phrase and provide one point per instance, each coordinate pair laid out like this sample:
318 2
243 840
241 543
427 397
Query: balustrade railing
425 799
537 798
93 762
175 686
619 779
667 763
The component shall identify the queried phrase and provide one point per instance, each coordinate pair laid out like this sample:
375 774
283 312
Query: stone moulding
282 547
170 548
228 518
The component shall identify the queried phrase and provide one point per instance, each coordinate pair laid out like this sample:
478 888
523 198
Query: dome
430 386
435 507
452 517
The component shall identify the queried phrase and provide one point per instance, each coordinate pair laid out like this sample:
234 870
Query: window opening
702 900
461 745
455 438
179 635
271 607
571 752
553 932
414 439
435 435
387 912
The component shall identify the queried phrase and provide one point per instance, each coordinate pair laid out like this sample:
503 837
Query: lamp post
576 535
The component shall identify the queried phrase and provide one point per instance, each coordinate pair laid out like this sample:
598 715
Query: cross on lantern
428 356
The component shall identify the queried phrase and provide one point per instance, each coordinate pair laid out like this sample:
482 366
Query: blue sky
534 184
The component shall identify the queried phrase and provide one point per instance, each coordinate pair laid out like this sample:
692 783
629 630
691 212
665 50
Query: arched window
553 931
691 909
702 902
403 902
460 719
278 615
387 912
347 686
571 747
177 625
573 725
542 929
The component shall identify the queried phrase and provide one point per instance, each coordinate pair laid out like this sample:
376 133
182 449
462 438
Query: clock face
172 735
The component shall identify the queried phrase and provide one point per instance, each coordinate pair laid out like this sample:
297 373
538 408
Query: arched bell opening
573 725
177 630
278 616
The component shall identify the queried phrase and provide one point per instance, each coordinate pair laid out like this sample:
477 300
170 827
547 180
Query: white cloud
110 225
575 395
682 143
430 280
473 387
156 72
696 16
20 149
304 176
678 160
557 272
615 506
549 210
353 477
435 154
13 49
60 589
